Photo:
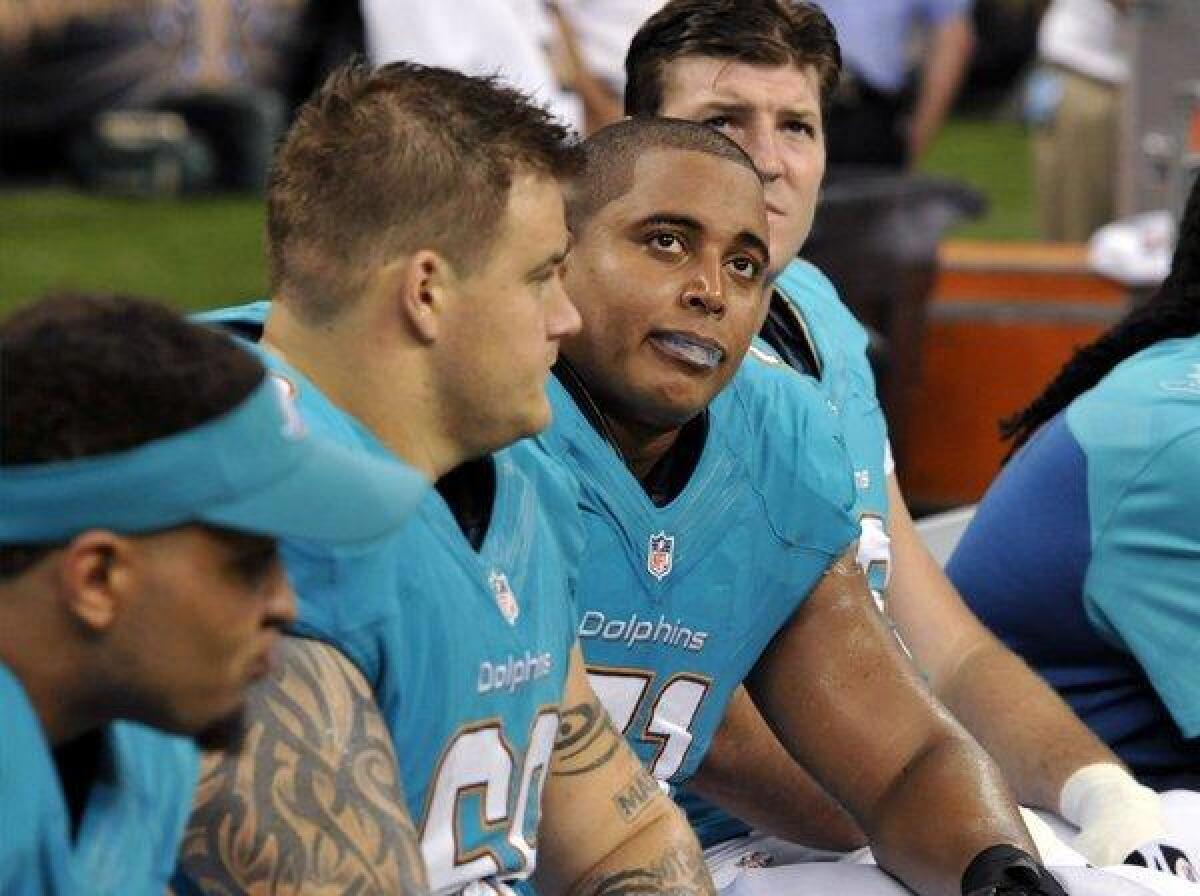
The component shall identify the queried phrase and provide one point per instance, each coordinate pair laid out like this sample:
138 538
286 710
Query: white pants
759 865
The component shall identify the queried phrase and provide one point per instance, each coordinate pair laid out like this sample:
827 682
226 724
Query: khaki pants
1075 160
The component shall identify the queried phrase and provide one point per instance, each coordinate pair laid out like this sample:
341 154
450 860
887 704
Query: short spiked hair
382 162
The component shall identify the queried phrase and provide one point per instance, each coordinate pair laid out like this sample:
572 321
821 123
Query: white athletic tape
1114 813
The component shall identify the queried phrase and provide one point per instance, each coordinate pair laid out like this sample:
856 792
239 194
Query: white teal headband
253 469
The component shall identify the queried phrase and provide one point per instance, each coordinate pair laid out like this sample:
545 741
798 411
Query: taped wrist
1114 813
1005 870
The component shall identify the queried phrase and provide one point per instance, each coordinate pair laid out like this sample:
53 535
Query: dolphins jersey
132 824
1084 557
844 375
466 652
677 603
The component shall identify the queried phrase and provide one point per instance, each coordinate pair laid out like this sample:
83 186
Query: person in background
147 467
530 44
1073 102
878 115
603 31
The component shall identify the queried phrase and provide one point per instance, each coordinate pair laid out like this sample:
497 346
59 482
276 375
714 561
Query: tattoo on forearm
312 803
586 740
679 872
637 796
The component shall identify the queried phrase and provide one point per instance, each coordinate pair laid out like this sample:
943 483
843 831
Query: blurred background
135 135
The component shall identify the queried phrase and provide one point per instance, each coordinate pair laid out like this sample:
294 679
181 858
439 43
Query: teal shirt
1084 557
466 652
677 603
846 380
132 824
1140 430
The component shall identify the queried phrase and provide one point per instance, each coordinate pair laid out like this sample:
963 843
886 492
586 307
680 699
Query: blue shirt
466 652
876 35
132 823
1084 557
677 603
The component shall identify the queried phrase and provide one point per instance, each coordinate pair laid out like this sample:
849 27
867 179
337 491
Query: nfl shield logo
505 599
661 556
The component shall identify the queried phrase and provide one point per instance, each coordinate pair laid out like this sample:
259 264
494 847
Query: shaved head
611 154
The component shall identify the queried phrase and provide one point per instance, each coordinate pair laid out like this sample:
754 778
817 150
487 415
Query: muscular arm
928 797
747 772
312 803
1032 734
607 828
951 44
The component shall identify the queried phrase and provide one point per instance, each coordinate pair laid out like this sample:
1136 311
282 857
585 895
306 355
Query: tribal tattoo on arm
312 803
586 740
663 856
677 872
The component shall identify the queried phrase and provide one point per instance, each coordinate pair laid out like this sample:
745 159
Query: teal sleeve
1142 589
348 598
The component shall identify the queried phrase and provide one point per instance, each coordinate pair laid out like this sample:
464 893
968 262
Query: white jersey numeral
875 553
479 762
623 691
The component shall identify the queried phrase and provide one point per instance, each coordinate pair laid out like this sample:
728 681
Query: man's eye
257 567
666 242
747 268
718 121
801 127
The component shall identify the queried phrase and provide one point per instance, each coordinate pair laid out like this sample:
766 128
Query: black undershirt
469 490
79 763
670 474
784 332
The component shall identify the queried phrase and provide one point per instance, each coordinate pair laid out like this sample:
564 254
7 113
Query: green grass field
198 253
995 157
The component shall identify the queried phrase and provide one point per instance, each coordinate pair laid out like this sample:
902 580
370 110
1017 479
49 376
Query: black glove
1005 870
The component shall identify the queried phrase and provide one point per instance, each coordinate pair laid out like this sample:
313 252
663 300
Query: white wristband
1114 813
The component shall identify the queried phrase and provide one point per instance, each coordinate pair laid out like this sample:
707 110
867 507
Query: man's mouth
695 351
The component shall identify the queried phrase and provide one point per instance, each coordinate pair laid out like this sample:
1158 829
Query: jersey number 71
666 737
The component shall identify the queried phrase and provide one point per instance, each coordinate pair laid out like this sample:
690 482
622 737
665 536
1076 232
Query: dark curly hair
1174 311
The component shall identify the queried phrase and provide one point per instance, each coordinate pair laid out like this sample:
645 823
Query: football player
760 71
416 236
720 540
147 466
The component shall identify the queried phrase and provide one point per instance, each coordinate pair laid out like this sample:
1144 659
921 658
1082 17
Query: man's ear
97 576
421 289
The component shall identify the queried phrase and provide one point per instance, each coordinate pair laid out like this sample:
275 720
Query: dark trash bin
876 236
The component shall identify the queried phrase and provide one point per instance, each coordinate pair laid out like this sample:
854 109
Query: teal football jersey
131 827
677 603
466 652
840 344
